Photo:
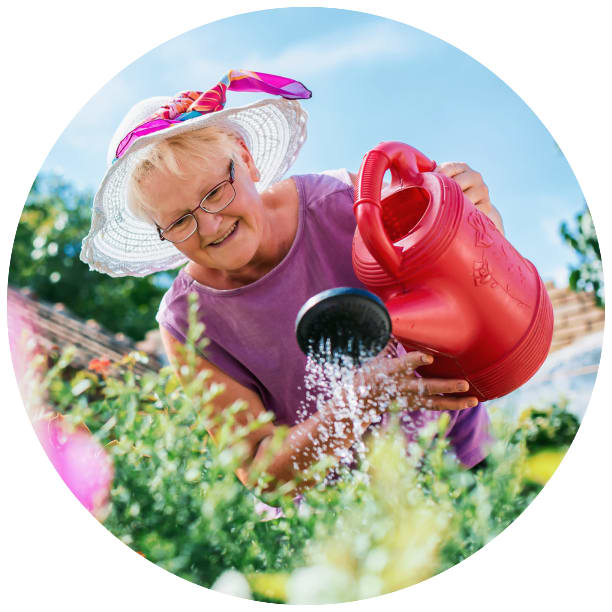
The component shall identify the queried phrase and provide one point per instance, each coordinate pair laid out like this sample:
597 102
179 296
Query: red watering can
452 284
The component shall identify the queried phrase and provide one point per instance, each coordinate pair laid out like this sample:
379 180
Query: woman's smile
227 236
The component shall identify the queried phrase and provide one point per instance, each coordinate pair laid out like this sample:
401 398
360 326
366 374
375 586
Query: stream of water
336 380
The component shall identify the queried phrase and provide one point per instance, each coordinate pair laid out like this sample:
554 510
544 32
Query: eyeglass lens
214 202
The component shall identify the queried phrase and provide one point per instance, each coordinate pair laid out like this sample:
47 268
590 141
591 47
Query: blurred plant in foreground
547 433
395 520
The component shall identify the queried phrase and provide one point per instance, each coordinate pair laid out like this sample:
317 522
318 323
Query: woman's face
228 240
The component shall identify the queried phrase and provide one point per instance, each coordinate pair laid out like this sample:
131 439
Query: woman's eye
213 194
180 222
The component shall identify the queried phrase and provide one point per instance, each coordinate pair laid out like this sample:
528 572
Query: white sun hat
274 130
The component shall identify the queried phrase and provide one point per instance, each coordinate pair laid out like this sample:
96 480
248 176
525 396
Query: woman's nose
208 223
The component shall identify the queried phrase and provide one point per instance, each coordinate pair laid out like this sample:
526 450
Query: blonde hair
169 155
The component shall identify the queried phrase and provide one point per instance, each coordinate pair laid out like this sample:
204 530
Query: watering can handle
406 164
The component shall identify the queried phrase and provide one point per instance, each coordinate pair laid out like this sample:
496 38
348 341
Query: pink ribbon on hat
189 104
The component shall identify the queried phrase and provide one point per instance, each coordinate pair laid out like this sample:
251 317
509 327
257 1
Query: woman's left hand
474 187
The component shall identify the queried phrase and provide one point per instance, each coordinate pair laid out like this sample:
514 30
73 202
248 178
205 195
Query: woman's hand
384 379
474 187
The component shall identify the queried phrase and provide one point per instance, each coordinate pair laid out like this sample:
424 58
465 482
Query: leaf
81 386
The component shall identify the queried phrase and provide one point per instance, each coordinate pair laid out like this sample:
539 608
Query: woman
194 182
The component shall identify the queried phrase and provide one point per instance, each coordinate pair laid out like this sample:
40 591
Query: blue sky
372 79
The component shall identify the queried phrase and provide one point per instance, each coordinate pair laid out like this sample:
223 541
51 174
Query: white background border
56 55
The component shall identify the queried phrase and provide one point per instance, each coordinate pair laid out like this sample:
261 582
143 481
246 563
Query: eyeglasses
216 200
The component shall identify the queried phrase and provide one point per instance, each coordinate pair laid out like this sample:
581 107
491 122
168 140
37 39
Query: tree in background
45 258
587 275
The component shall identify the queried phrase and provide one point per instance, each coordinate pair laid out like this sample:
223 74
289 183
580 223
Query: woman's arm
233 391
333 428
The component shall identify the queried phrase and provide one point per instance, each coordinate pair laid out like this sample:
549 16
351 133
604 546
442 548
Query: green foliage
588 274
408 518
45 258
550 427
175 497
486 500
397 519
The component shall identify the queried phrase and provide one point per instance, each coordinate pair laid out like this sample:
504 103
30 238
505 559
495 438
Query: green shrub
175 497
395 520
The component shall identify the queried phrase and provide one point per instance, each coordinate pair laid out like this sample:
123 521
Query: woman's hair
169 154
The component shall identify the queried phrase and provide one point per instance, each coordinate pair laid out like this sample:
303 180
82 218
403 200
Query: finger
410 361
438 402
468 178
479 197
403 363
433 386
451 169
384 370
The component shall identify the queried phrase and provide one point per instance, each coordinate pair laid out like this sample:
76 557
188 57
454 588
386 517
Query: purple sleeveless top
251 329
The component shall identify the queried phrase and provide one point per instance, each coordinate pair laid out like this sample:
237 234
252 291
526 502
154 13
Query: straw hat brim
120 244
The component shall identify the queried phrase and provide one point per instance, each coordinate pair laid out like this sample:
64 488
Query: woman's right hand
385 379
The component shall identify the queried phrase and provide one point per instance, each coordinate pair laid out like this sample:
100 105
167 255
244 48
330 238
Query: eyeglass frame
232 178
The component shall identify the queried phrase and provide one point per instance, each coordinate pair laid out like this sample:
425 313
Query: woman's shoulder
340 174
175 295
339 178
317 186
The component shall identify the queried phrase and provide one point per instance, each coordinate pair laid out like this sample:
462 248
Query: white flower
232 582
319 584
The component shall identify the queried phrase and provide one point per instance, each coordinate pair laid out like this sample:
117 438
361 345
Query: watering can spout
432 320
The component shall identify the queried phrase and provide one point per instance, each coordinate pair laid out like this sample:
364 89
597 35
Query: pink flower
80 460
23 345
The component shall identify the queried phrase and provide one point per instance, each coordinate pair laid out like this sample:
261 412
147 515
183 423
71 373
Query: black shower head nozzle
343 322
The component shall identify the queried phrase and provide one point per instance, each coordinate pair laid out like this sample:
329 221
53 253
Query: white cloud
319 55
364 44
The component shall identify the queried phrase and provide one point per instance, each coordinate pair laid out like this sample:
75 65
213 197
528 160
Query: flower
81 461
100 365
232 582
320 584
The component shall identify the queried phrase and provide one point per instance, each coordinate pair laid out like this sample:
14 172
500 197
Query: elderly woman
192 182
